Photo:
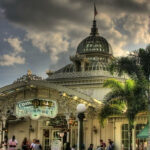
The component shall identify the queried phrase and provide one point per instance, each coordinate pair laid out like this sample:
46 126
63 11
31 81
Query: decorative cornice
96 73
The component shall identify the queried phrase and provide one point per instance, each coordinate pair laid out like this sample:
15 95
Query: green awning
144 132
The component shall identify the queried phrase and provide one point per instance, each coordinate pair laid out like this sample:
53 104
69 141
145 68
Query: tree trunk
130 138
130 135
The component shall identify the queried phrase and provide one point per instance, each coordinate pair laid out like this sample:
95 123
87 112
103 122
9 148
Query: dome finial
29 72
94 29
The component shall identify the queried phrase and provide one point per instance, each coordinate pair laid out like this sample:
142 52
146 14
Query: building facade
81 81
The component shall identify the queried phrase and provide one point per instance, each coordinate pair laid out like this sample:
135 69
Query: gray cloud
43 14
14 57
137 6
122 22
47 14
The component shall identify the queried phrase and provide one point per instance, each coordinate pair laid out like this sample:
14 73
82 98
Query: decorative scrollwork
59 121
28 77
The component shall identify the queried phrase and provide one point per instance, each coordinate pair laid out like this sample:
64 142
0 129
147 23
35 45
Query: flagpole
94 10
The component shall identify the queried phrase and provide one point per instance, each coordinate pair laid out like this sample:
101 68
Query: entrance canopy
144 132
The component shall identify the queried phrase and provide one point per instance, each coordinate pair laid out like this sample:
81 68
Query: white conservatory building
45 109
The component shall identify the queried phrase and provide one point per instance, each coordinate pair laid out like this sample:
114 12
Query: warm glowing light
64 94
32 86
75 97
89 105
97 101
124 111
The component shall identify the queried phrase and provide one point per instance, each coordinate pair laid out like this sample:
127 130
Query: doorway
52 136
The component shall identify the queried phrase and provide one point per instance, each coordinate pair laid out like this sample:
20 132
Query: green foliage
126 65
112 83
133 93
111 109
144 58
130 94
137 65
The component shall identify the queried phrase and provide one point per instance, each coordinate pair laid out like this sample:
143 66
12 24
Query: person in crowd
73 147
64 146
145 145
68 146
90 147
2 146
98 148
111 145
6 142
12 143
37 146
33 144
102 144
25 144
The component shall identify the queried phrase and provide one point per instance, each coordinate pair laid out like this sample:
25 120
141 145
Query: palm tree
130 94
113 108
136 65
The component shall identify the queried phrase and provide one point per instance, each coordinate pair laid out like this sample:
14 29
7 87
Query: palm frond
130 93
130 84
110 110
113 84
128 65
113 95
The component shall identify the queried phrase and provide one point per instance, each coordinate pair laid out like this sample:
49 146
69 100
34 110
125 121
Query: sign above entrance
35 108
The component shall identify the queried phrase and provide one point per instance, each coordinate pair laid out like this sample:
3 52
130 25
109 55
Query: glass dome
94 43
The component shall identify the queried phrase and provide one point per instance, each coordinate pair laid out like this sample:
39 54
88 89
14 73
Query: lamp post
81 108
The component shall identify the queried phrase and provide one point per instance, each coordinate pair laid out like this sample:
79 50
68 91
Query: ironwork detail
59 121
28 77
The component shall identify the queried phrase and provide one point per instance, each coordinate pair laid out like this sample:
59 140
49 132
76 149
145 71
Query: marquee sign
34 108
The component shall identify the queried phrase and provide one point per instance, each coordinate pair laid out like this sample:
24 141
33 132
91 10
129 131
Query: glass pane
125 138
125 135
126 127
126 143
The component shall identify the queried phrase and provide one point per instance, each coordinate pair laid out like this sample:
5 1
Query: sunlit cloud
15 43
53 43
14 56
10 60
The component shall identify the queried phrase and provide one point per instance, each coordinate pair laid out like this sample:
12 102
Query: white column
67 118
82 66
114 126
3 126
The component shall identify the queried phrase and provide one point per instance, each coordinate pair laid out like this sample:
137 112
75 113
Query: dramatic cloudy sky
42 34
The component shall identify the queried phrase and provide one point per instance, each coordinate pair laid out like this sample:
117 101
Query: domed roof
94 43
